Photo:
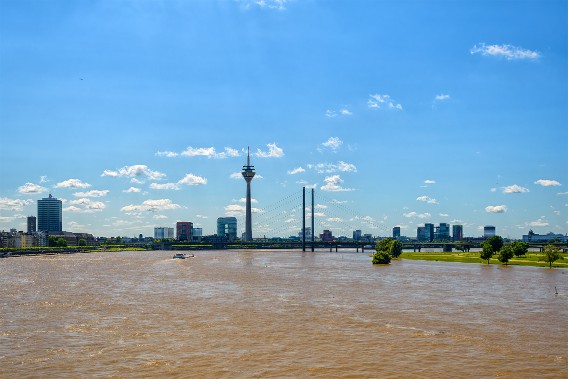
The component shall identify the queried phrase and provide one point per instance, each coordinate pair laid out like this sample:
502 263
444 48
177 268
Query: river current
278 314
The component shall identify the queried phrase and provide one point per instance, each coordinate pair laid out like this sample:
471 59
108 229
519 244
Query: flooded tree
551 254
505 254
519 248
486 251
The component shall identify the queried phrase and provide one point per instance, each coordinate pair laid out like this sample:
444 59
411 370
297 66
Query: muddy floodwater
279 314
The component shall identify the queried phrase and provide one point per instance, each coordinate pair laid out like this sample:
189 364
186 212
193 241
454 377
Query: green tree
61 242
496 243
381 257
391 246
82 242
486 251
551 254
52 241
505 254
519 248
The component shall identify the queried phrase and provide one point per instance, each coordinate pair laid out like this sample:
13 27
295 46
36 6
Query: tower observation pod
248 174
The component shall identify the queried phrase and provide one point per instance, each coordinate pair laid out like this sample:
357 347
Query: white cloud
43 179
379 101
159 217
169 154
493 189
201 216
345 112
333 143
244 200
236 175
93 193
515 189
333 184
132 190
496 209
151 206
236 210
328 168
442 97
135 172
192 180
429 181
165 186
562 193
279 5
228 152
320 206
418 215
444 215
295 171
88 206
330 113
508 52
31 188
547 183
427 199
273 152
335 219
14 204
72 183
200 151
540 222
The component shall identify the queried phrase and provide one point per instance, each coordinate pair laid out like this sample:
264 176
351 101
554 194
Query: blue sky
138 113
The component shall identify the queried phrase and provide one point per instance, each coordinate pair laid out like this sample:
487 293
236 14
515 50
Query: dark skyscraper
49 215
248 174
32 224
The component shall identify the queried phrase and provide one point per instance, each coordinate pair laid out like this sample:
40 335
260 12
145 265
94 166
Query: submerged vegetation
532 258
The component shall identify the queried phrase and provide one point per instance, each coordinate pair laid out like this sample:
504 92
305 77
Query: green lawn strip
531 259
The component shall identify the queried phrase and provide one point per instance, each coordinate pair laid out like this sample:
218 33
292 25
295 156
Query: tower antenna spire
248 155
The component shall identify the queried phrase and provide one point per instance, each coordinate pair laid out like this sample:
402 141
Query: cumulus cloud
279 5
236 175
135 172
295 171
93 193
427 199
86 205
14 204
342 112
199 151
335 219
328 168
429 181
382 101
31 188
132 190
515 189
273 152
188 179
442 97
496 209
547 183
506 51
192 180
538 223
235 210
333 184
151 206
417 215
169 154
72 183
333 144
165 186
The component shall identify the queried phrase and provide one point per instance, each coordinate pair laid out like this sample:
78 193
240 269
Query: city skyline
138 115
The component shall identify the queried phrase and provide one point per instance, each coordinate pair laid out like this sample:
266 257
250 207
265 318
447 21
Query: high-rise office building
227 227
184 231
429 232
396 232
457 232
442 232
357 235
488 231
163 232
32 224
49 215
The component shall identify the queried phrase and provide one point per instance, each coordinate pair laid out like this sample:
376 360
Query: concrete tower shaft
248 175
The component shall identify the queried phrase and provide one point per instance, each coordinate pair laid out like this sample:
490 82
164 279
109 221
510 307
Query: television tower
248 174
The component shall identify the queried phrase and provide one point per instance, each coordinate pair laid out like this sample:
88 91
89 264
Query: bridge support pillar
336 248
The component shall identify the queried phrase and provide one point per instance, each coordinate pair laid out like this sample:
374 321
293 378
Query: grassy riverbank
531 259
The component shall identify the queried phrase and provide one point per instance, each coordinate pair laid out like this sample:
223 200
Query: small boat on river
182 256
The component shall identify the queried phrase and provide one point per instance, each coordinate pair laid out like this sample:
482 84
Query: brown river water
278 314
